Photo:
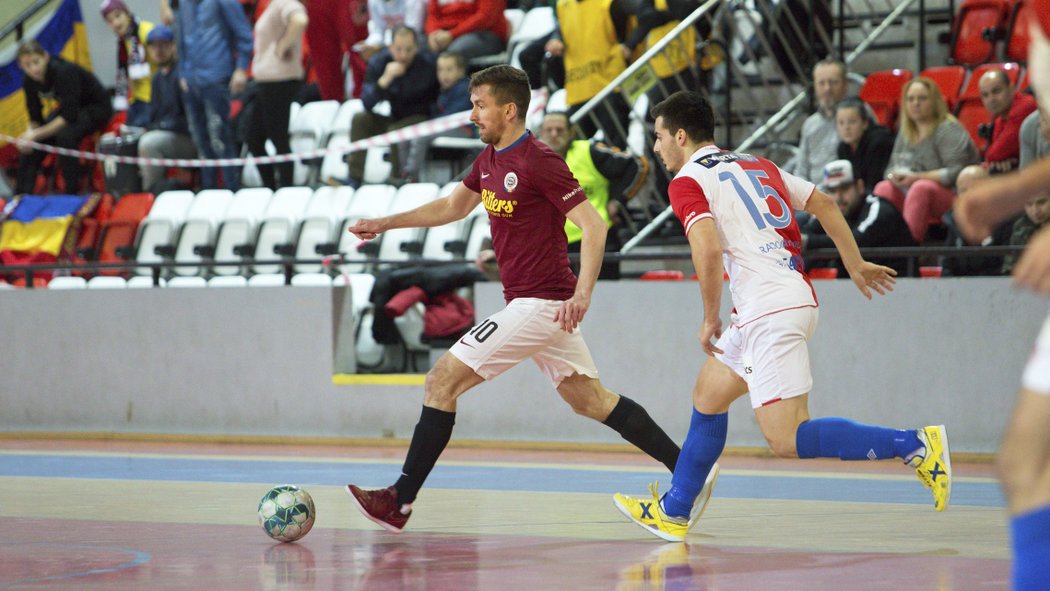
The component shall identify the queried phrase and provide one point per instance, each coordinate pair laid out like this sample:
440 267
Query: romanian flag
43 229
61 32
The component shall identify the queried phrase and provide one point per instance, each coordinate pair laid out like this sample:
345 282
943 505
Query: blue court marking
502 478
139 557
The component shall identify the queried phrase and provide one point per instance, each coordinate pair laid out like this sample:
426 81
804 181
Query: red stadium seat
882 92
119 232
663 275
90 230
823 273
1016 49
949 79
979 25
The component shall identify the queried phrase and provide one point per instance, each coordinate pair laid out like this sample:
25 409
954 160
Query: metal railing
332 264
17 25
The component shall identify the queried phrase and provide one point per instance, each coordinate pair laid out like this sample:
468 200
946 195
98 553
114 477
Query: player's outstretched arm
706 250
439 212
866 276
592 250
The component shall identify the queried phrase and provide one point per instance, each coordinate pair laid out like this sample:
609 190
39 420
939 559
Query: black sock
432 433
635 425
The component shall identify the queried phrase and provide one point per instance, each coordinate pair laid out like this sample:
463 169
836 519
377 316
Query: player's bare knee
588 397
782 447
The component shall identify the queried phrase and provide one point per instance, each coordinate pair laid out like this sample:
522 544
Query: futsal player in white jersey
738 214
1024 456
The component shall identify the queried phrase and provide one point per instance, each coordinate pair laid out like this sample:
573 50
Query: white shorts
1036 375
525 328
771 354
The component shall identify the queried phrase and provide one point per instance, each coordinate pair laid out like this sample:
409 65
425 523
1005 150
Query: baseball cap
836 174
160 33
109 6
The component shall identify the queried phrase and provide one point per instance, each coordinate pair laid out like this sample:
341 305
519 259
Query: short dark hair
507 84
30 47
688 111
852 102
405 30
461 62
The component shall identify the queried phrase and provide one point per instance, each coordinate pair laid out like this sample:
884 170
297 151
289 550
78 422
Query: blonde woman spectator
930 150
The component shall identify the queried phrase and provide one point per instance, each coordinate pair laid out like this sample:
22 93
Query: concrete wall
259 362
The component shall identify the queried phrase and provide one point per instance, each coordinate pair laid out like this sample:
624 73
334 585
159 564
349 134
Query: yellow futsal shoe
648 514
705 495
934 468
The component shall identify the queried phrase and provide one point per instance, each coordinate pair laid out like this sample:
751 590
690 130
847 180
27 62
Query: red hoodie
466 16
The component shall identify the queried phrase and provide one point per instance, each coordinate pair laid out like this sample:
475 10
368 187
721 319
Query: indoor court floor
94 515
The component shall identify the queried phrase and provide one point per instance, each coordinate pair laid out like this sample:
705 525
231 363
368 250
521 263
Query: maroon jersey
527 189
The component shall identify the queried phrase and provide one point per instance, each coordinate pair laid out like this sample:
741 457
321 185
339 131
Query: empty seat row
254 231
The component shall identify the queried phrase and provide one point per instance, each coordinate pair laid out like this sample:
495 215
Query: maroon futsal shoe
380 505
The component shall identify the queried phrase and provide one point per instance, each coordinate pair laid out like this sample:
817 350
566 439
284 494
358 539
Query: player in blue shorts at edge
527 191
738 212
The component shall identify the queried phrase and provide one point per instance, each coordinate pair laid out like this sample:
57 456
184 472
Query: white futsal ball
286 513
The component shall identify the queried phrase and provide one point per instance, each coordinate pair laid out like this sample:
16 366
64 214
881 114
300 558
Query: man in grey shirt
819 141
1033 143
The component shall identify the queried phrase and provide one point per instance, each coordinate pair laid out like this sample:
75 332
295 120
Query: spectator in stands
277 67
590 39
453 98
386 15
874 220
930 150
1036 215
336 26
405 77
471 28
134 68
1008 110
543 67
215 45
958 266
66 103
167 135
818 143
862 141
1035 137
609 178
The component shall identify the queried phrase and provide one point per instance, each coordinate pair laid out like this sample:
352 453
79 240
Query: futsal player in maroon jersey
528 192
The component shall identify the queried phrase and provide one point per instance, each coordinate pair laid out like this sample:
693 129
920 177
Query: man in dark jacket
66 103
405 77
167 135
875 221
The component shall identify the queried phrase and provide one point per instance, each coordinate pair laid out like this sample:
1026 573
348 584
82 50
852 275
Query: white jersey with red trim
752 203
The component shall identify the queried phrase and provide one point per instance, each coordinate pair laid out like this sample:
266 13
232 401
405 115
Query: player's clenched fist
366 229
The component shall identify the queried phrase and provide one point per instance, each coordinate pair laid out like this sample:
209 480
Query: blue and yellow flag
62 34
37 230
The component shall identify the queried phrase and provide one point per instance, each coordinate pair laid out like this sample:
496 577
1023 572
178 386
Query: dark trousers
273 100
89 120
612 116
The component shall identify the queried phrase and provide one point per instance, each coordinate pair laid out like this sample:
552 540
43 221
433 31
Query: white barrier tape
411 132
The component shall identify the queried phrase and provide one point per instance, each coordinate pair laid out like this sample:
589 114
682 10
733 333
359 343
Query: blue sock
1030 537
836 437
703 444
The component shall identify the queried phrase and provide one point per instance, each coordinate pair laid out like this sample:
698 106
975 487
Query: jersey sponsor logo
510 182
484 175
570 194
779 244
713 160
502 208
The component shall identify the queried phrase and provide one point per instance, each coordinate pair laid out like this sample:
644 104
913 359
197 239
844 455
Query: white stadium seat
239 227
279 225
321 222
200 228
160 227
